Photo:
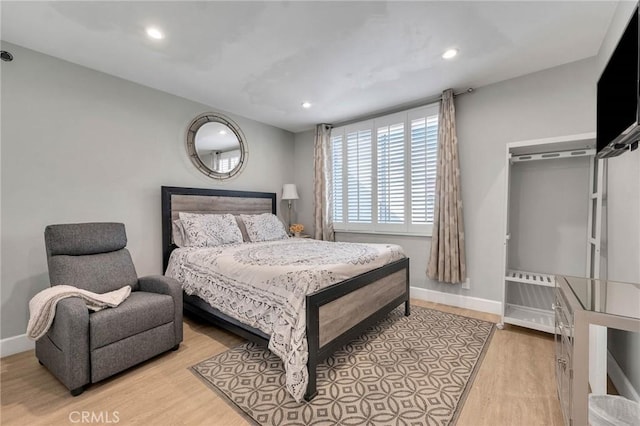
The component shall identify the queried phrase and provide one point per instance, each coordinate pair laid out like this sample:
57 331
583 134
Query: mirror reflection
216 146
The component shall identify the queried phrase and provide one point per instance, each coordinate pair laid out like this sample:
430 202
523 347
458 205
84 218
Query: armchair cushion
99 273
84 238
141 311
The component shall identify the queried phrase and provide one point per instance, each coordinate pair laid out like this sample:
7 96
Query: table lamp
289 193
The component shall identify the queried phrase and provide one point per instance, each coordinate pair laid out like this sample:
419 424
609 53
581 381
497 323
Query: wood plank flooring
514 386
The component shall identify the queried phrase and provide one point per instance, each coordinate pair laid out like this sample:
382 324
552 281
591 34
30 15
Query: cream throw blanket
42 307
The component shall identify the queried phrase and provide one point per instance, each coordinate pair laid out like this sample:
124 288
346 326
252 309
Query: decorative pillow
177 233
209 230
264 227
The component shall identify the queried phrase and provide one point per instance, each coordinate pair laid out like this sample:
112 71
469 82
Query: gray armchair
82 346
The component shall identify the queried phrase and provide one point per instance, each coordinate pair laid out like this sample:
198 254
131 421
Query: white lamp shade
289 191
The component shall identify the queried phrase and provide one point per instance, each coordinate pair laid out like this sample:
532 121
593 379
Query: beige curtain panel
447 261
322 178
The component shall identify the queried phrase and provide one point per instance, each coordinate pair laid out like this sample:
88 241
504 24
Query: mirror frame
215 117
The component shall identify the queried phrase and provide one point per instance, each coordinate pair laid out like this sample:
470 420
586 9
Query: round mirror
216 146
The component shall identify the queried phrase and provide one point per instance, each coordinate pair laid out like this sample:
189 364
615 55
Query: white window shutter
359 176
337 158
432 164
390 174
424 156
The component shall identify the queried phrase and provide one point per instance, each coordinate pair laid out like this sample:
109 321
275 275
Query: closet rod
552 155
404 107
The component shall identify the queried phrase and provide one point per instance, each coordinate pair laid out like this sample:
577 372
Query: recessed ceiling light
450 53
155 33
223 132
306 104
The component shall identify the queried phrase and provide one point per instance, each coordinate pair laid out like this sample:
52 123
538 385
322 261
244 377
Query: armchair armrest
65 347
166 285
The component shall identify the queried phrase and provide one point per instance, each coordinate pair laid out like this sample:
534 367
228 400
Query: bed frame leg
407 308
312 391
308 397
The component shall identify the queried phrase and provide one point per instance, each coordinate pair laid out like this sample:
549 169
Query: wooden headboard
213 201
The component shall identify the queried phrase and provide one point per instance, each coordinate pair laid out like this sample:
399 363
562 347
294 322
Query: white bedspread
264 285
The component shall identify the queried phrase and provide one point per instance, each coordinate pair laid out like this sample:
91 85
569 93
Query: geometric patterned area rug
412 370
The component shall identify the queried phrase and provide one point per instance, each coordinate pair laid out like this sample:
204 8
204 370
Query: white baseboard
458 300
620 380
15 344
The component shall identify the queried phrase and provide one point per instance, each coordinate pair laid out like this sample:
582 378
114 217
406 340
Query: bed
335 314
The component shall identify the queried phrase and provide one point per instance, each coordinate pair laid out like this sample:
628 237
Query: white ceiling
262 59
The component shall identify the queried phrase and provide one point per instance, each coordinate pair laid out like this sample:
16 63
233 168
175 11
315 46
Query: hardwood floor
514 386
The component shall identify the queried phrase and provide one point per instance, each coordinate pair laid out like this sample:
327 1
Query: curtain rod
421 103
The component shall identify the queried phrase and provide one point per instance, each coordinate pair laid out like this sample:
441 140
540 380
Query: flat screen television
618 106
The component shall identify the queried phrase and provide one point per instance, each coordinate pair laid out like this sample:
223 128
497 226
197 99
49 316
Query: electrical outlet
467 284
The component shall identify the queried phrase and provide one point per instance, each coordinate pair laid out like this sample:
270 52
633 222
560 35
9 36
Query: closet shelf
526 316
530 278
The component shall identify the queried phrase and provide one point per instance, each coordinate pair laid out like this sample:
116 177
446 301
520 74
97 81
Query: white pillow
264 227
209 230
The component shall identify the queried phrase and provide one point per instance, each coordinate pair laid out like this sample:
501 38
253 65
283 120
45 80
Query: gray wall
622 243
303 172
79 145
554 102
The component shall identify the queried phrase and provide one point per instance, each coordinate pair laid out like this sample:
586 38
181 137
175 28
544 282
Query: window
359 176
227 161
337 161
384 173
391 181
424 157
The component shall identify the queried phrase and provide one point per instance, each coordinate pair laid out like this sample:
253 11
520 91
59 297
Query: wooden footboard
339 313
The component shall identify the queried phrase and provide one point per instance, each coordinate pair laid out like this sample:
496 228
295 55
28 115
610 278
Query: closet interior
553 208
